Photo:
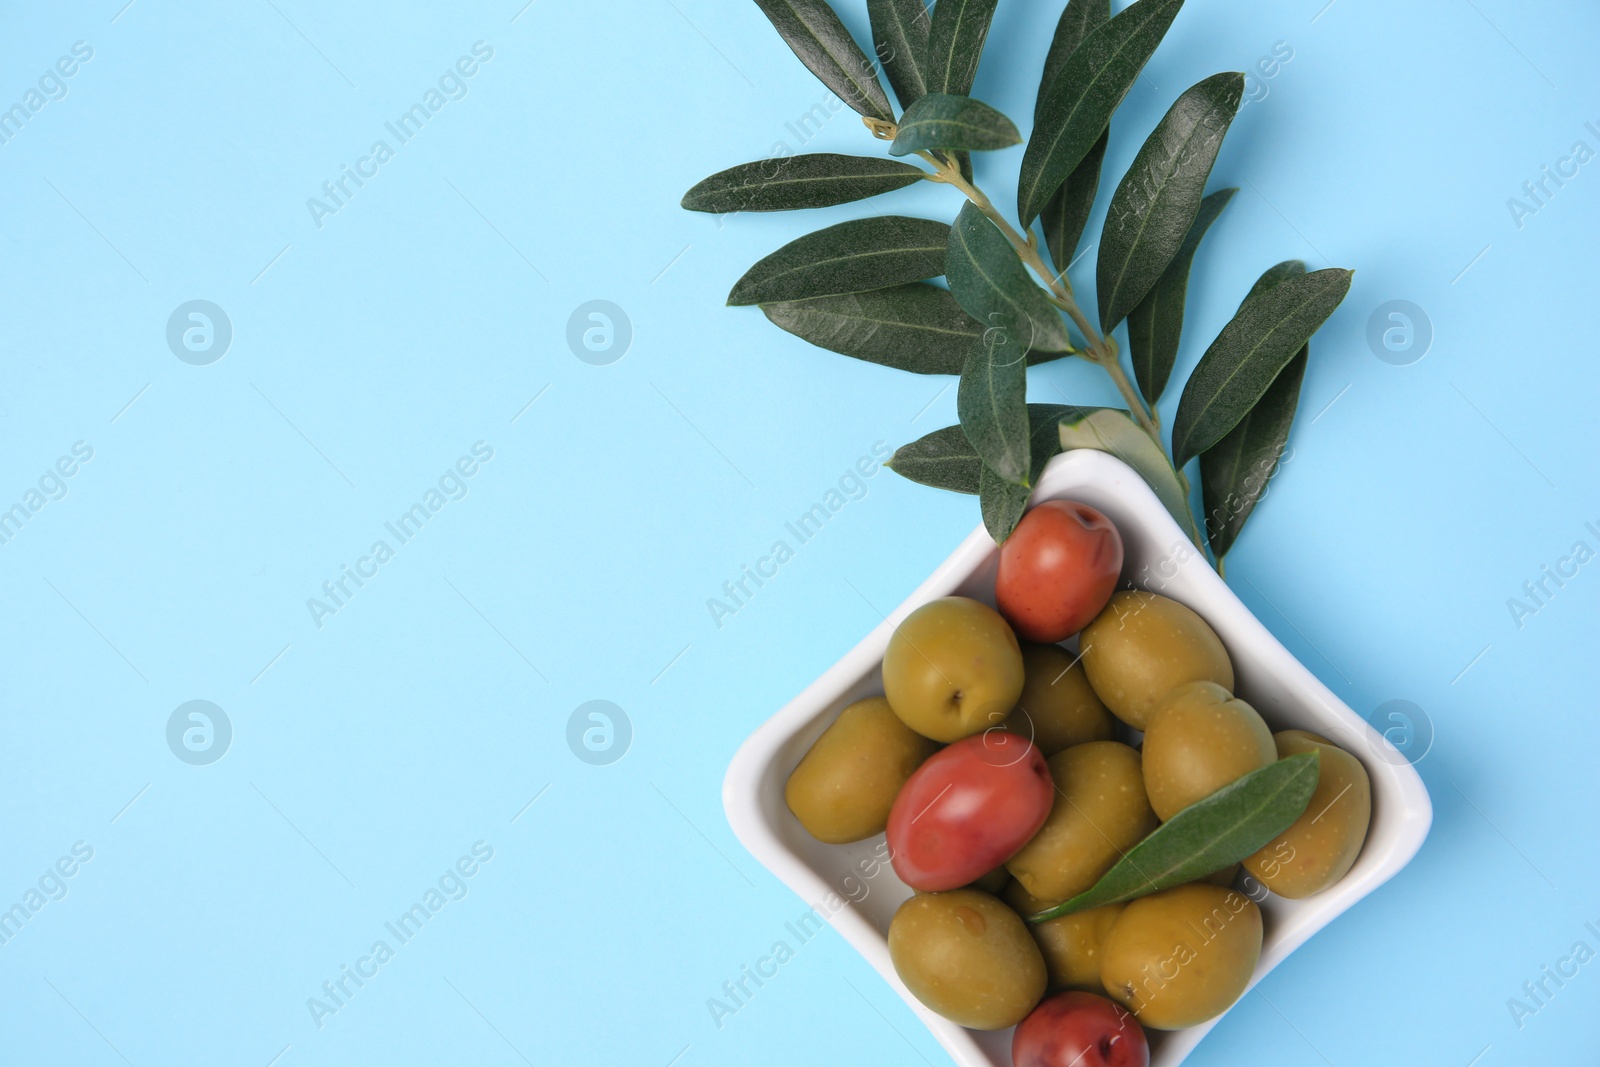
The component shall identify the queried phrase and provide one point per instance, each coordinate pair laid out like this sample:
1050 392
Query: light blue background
370 353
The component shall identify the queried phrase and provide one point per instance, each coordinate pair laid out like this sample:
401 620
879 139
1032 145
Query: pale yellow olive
1325 840
1100 812
845 784
1200 738
1142 646
968 957
1070 944
953 668
1182 956
1058 708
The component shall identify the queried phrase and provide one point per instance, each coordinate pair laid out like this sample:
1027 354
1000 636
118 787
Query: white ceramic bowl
852 888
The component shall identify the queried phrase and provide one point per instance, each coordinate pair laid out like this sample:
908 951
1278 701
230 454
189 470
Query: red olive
1057 570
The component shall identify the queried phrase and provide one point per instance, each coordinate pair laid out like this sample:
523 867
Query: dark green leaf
991 284
1079 19
900 28
814 31
955 43
1234 472
945 459
1079 100
1249 353
1156 324
1156 202
992 402
917 327
1236 821
1002 503
1275 274
871 253
789 182
1067 212
954 122
1113 431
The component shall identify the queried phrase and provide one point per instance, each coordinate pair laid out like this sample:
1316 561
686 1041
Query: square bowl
852 887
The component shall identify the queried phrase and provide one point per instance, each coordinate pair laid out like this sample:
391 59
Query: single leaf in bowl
851 257
1234 472
1156 202
786 183
815 34
1270 327
991 284
1078 19
938 120
1081 97
955 44
1113 431
900 34
991 400
1234 822
1155 325
916 327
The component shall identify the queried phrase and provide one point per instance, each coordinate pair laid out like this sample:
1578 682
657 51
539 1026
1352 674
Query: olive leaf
1002 503
1078 19
814 32
1077 104
1253 348
938 120
1155 325
851 257
916 327
1156 202
1231 824
900 33
1234 472
1113 431
945 459
992 403
1275 274
1067 212
955 44
991 284
786 183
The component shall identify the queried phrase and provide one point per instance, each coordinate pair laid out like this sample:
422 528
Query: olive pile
1011 777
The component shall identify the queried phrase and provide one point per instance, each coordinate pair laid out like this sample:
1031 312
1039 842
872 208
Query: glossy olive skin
845 784
967 810
1182 956
1070 944
953 667
1057 570
1079 1030
968 957
1100 812
1317 850
1142 646
1058 707
1200 738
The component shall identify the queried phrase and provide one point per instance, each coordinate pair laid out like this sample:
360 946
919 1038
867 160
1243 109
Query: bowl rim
1398 790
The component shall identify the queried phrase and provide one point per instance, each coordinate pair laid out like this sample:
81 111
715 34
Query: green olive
1200 738
1070 944
1224 877
1182 956
953 667
1325 840
1142 646
994 882
1058 708
968 957
1100 812
845 784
